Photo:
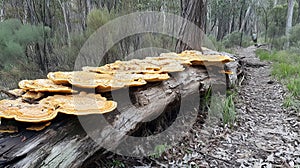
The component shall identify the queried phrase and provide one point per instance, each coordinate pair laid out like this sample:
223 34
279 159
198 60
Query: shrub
234 39
97 18
15 37
212 43
294 36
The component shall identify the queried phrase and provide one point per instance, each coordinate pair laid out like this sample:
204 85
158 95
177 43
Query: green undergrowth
229 111
286 69
221 107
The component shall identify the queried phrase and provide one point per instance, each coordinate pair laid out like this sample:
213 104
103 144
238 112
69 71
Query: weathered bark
195 12
66 144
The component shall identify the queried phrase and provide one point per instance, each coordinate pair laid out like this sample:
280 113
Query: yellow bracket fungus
44 85
47 109
81 104
26 112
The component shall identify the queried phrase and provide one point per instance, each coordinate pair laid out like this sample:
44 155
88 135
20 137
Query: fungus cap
26 112
33 95
81 104
44 85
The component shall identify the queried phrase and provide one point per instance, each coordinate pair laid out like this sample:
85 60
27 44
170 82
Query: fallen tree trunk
73 142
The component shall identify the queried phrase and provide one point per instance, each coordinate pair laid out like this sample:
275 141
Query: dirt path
266 134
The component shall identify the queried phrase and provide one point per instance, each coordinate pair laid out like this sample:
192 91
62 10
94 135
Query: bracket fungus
93 80
32 95
17 92
81 104
66 77
197 58
38 127
104 82
44 85
26 112
47 109
146 66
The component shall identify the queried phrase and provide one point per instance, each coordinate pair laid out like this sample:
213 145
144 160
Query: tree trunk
289 21
247 15
298 11
195 12
2 12
63 8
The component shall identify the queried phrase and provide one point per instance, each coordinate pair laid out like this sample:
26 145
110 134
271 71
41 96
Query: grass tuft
229 111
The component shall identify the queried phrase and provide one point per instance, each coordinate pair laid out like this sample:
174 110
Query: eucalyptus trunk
289 21
195 12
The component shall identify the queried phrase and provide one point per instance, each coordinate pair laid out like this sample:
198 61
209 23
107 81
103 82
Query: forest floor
265 134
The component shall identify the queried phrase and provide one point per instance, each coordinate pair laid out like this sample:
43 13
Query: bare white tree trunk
289 21
89 6
25 18
289 16
62 5
248 12
2 12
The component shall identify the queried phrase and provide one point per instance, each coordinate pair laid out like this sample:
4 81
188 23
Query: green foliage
98 18
211 42
159 150
279 42
229 111
284 70
15 37
234 39
295 36
117 163
293 86
277 26
278 18
223 108
263 54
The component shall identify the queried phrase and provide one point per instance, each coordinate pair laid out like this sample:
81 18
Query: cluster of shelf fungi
84 93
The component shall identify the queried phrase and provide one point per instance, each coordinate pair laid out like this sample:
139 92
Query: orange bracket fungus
146 66
104 82
26 112
32 95
47 109
79 76
81 104
17 92
38 127
44 85
197 58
